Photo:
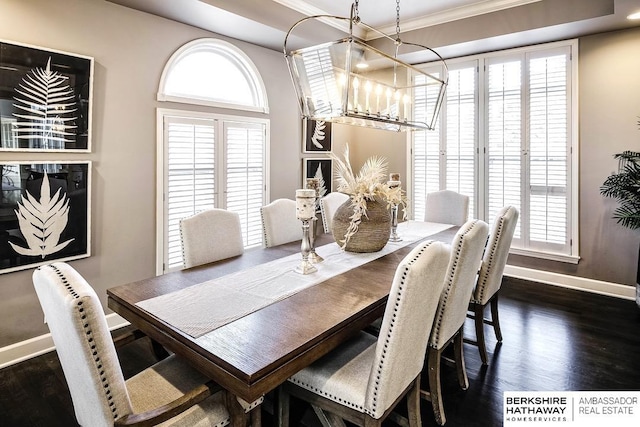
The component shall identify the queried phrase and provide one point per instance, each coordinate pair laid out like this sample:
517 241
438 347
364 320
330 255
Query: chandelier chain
397 20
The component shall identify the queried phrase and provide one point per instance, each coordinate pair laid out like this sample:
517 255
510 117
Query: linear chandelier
349 81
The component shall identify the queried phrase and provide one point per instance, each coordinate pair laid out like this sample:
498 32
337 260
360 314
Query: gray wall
130 50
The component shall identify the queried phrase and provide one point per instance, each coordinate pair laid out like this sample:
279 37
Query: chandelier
349 81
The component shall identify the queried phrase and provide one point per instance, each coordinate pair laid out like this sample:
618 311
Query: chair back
84 345
329 204
495 255
447 207
279 223
410 310
210 235
466 254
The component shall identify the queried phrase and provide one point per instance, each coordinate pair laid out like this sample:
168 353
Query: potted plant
624 186
362 223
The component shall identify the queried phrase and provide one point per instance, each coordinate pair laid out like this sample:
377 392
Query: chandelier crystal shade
349 81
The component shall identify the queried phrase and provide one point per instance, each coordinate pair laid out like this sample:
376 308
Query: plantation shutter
549 150
245 176
505 137
460 138
446 159
426 148
190 177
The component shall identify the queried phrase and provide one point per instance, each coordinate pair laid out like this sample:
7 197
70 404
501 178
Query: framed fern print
321 169
44 213
316 136
45 99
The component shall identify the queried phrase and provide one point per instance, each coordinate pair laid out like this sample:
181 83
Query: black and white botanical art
44 99
317 136
44 214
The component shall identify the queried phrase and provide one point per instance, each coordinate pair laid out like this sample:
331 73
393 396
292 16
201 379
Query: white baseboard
33 347
20 351
572 282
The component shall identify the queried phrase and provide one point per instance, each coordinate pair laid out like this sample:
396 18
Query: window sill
551 256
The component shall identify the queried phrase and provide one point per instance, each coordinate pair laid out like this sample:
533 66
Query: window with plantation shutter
445 159
209 160
504 138
190 177
520 118
245 176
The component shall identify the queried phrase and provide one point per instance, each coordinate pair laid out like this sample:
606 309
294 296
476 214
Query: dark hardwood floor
555 339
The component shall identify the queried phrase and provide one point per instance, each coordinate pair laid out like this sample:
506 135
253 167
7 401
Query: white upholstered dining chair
169 392
466 253
362 380
279 223
329 204
210 235
447 207
490 277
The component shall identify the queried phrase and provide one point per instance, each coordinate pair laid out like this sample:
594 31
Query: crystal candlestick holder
393 237
305 266
394 183
305 212
314 184
313 256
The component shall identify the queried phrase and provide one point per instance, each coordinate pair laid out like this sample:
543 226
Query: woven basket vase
373 232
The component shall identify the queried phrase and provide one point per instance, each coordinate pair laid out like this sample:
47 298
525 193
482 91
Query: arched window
215 73
207 159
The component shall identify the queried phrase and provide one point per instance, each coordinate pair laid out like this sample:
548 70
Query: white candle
356 85
405 98
367 92
397 98
378 92
388 101
305 203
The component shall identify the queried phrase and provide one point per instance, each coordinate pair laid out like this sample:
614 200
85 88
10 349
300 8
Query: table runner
201 308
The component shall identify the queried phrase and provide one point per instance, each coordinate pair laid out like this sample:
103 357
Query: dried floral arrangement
368 185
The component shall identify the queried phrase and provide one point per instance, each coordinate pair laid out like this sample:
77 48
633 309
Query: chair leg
371 422
282 411
479 321
494 317
158 350
435 389
459 358
413 404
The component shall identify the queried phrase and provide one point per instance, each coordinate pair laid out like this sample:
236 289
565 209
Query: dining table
250 322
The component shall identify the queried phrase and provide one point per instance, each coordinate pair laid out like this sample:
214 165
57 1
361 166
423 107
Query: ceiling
266 22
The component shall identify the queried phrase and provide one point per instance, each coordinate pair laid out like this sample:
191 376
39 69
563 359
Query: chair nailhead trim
379 368
90 340
492 254
264 229
401 289
447 287
327 395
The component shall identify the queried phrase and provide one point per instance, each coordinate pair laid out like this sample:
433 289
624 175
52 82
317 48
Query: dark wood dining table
254 354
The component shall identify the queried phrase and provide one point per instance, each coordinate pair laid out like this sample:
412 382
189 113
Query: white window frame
225 49
220 168
572 256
